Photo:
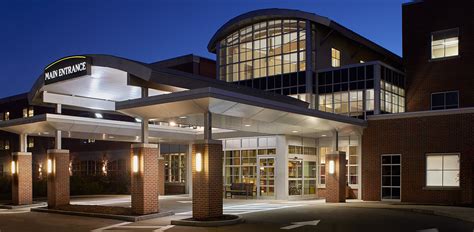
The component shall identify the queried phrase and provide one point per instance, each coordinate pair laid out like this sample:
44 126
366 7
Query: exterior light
50 166
135 163
247 125
98 115
14 167
138 120
172 123
331 167
198 162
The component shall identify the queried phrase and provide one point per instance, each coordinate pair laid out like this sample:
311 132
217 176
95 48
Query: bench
240 189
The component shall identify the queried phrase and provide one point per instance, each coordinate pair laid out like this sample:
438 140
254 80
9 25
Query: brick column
22 181
336 182
161 176
208 183
58 178
145 180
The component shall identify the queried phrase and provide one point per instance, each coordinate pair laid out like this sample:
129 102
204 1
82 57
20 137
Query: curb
185 222
108 216
423 211
35 204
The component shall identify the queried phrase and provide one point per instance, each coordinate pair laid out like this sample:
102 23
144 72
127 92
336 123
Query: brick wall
207 184
144 183
412 138
58 180
22 184
336 183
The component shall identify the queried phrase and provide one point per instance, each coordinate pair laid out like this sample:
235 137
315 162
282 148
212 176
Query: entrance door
266 177
391 177
295 177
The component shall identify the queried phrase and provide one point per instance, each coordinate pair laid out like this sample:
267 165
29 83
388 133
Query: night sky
36 33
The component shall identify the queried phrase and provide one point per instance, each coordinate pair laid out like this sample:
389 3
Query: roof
268 14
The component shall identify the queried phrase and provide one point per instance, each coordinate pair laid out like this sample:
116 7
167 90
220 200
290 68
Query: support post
22 180
336 177
207 180
58 177
145 178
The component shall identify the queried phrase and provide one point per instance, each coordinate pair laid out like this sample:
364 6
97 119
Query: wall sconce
49 167
198 162
331 167
14 167
135 163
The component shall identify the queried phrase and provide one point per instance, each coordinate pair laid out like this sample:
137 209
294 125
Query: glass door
266 177
295 177
391 177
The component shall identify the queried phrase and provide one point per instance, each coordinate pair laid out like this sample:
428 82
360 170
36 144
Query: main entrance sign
67 68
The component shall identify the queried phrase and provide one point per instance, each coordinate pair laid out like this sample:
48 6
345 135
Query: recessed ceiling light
295 131
183 117
138 120
247 125
324 135
172 123
98 115
111 137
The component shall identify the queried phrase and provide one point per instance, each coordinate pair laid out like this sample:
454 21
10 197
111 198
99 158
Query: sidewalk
462 213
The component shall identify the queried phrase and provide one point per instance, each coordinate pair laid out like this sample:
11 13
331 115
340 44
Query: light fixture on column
198 162
135 163
331 167
50 166
14 167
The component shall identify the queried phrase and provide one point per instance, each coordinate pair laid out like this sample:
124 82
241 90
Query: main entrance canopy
169 99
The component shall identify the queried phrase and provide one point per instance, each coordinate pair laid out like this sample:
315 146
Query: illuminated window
442 170
335 57
31 142
445 43
6 116
175 167
4 145
28 112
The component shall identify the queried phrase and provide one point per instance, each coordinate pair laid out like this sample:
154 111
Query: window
442 170
175 167
323 151
445 43
4 144
445 100
28 112
31 142
6 116
391 177
335 57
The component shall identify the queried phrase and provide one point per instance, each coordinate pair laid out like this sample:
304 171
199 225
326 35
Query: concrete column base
58 179
145 181
336 182
208 183
22 180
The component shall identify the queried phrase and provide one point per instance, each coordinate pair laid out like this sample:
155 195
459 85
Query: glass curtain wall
392 91
266 49
352 158
342 91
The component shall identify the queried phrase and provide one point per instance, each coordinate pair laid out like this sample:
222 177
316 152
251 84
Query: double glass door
266 177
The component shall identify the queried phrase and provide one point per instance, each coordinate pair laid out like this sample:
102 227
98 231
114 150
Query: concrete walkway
462 213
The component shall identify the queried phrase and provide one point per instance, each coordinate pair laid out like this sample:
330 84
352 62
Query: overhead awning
240 112
103 129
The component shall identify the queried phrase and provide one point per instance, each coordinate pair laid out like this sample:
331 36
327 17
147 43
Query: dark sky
37 32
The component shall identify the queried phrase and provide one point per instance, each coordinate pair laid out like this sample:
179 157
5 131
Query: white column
23 142
144 130
281 168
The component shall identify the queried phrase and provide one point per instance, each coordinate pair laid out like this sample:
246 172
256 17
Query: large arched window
263 49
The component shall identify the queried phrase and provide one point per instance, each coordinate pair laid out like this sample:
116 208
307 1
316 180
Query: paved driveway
260 215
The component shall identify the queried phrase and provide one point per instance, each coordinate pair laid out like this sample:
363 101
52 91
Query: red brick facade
22 184
144 183
414 137
58 179
336 182
208 183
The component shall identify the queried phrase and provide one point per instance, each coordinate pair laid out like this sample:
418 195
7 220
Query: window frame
426 186
334 58
444 95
